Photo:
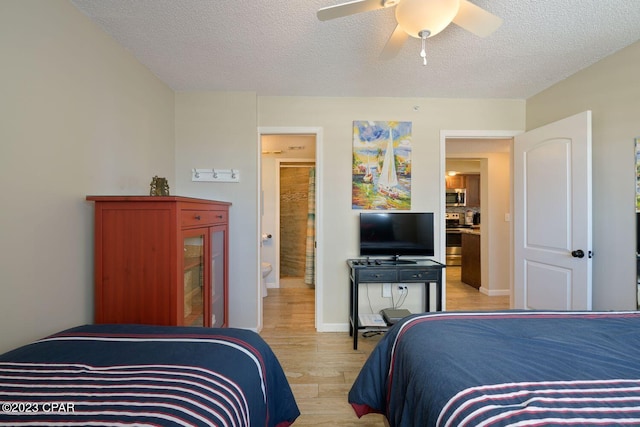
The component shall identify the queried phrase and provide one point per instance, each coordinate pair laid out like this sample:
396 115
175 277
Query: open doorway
289 213
481 280
296 219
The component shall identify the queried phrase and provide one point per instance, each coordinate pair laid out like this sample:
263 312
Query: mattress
145 375
505 368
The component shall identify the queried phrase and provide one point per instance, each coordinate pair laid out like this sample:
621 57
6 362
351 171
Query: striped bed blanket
507 368
145 375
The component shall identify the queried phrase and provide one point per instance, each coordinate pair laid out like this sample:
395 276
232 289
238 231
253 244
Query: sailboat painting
381 167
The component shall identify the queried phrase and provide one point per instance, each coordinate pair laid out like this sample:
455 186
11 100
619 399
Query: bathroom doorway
297 223
288 220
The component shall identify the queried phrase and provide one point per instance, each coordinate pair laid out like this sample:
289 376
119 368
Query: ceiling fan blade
394 44
476 20
349 8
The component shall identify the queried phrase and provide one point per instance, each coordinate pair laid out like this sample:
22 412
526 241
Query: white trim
317 131
494 293
260 206
479 134
334 327
276 229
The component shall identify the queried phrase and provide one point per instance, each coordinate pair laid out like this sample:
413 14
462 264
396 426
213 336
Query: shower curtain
310 250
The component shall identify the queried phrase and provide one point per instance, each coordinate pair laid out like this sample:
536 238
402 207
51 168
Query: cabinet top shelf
403 263
153 199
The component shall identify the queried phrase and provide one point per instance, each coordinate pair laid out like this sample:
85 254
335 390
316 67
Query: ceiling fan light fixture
415 16
420 19
424 34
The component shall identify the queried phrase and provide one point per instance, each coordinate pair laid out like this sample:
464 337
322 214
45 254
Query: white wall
219 130
611 91
78 116
335 116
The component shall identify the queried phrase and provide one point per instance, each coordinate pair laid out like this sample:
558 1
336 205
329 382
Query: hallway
461 296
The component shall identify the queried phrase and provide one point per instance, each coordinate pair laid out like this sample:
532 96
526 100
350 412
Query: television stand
378 261
395 261
425 271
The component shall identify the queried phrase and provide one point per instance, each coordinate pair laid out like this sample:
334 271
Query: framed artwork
381 165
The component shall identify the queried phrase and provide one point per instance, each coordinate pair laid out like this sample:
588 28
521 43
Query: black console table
391 271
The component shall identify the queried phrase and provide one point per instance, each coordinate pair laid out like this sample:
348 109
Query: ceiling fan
419 18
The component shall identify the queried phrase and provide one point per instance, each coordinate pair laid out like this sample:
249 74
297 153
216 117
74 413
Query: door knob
578 254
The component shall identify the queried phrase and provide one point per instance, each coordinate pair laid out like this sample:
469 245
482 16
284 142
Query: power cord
403 296
369 299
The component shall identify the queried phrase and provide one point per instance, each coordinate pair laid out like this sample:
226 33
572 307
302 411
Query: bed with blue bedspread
145 375
505 368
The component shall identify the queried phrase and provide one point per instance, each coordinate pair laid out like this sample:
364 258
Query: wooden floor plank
321 367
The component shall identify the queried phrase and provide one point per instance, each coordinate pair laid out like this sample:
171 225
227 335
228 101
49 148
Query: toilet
266 269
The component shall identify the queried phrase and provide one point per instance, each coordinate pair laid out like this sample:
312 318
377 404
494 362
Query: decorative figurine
159 187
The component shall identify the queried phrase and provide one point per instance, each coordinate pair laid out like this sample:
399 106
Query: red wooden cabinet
161 260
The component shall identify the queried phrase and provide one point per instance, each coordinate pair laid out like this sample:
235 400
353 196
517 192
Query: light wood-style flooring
461 296
322 366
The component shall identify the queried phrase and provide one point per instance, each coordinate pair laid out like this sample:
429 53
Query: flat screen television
396 234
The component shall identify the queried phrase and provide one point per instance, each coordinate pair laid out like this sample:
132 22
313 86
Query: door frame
470 134
318 133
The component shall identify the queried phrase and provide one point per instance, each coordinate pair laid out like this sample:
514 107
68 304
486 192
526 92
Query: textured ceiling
280 48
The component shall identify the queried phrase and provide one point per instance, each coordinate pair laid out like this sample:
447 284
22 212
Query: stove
451 219
454 238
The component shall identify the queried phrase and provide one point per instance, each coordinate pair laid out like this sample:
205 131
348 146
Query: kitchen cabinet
470 268
161 260
472 184
455 181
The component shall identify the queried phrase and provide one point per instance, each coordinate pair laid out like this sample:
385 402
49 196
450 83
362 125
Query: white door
552 216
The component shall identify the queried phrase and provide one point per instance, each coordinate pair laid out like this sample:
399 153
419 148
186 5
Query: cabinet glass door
218 241
193 285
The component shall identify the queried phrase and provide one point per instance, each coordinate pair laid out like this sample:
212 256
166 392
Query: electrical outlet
386 290
402 289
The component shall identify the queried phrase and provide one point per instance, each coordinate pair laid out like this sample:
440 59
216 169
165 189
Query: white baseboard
333 327
495 292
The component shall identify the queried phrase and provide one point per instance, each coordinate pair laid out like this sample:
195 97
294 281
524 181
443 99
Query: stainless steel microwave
456 197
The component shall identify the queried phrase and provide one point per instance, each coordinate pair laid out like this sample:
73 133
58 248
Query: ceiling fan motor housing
432 15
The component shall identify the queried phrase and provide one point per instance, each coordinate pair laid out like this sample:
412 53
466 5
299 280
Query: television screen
396 234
